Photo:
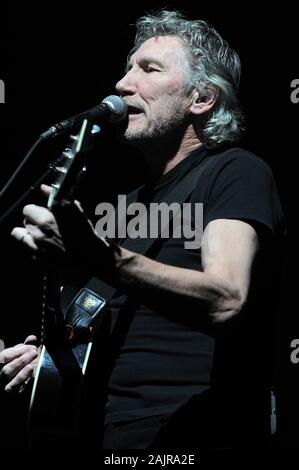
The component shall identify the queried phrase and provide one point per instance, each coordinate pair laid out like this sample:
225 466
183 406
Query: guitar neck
70 166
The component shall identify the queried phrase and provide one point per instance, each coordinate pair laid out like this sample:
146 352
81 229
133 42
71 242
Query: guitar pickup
82 312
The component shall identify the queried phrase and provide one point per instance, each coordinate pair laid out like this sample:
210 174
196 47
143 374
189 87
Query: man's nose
126 85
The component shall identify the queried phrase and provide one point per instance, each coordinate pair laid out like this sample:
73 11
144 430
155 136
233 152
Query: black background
56 63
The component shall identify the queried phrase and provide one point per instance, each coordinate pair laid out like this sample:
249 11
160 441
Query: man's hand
40 231
64 236
17 365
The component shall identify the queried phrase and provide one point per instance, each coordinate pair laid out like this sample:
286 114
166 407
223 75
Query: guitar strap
146 245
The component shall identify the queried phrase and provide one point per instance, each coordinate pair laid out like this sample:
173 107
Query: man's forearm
180 286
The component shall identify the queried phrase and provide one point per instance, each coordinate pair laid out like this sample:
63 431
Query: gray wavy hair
213 64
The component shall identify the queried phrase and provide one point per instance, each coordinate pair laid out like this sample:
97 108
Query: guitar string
44 306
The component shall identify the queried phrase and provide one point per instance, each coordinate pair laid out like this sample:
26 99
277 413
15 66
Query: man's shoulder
233 169
237 160
238 155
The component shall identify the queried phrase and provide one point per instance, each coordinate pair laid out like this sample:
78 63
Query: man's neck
183 152
162 157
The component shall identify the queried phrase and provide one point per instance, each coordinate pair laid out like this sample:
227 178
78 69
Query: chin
137 136
126 133
134 134
138 140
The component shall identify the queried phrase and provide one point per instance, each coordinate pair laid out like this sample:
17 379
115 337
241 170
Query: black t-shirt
165 355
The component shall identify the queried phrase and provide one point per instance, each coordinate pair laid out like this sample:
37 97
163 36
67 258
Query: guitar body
56 396
70 377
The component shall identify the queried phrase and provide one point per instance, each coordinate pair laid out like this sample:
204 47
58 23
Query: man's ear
202 103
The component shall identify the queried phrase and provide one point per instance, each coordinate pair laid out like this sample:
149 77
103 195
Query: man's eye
150 68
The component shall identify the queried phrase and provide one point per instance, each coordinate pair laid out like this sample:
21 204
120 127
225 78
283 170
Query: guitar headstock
70 164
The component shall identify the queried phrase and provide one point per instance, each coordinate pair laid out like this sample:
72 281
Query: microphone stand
21 165
51 167
33 188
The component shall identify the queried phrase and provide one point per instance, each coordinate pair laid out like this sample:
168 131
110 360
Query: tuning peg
61 169
67 153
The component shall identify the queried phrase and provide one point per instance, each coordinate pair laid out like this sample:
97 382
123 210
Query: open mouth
132 110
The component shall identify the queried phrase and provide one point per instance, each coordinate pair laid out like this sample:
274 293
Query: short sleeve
241 186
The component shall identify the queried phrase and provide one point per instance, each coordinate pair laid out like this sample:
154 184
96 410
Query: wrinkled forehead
168 50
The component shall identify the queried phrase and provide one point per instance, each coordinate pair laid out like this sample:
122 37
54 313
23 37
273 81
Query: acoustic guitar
56 411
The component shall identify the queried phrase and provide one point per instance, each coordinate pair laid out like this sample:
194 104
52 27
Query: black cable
20 167
31 190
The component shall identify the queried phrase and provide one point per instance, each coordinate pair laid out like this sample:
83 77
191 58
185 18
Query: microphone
113 108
